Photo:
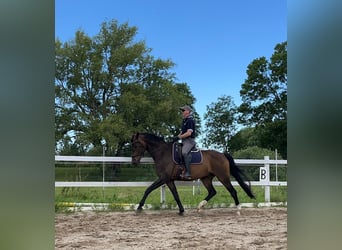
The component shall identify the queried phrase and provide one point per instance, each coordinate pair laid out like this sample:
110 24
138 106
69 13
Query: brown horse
214 164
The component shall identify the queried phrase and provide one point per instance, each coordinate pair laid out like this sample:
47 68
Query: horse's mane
153 137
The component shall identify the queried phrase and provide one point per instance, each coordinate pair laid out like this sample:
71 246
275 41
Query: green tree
109 86
264 96
220 123
244 138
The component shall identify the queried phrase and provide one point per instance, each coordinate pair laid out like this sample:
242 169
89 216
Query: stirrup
186 177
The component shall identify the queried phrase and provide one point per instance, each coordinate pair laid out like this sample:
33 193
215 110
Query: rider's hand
176 138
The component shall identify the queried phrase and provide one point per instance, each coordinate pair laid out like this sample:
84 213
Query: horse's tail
239 175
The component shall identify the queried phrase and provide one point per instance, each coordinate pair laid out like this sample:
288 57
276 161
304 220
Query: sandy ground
255 228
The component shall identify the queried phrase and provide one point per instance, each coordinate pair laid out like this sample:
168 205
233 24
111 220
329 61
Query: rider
187 135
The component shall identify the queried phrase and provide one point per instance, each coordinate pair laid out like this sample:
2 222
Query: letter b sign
263 175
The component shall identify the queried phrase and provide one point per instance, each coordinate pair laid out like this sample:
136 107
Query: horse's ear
135 136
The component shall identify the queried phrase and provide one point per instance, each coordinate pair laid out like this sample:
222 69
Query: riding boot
187 163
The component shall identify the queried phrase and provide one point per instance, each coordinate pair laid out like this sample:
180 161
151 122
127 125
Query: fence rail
115 159
264 173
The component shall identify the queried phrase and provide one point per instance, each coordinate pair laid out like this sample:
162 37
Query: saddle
177 154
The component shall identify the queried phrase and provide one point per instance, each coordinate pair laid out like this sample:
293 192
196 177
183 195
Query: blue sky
211 42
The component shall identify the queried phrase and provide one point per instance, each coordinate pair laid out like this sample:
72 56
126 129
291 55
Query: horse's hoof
181 213
201 205
139 210
238 207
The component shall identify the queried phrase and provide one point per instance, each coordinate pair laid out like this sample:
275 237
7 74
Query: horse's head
138 148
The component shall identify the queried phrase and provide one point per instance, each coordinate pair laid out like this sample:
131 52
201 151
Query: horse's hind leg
208 184
228 185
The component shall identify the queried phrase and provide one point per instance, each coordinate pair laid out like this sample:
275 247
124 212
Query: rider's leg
187 163
188 144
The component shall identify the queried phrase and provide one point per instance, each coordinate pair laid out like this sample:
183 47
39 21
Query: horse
214 163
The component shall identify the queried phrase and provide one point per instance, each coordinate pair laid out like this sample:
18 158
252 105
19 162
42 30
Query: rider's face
185 113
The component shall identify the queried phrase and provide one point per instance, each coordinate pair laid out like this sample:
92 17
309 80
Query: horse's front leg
153 186
174 192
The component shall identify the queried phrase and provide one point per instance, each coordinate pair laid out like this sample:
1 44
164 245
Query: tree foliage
264 96
255 152
220 122
110 86
264 92
244 138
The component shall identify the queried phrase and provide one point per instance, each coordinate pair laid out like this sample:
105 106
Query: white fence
264 174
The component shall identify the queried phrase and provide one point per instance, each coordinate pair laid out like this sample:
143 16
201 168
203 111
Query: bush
255 152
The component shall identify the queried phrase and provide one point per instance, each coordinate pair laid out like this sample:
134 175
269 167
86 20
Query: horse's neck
157 150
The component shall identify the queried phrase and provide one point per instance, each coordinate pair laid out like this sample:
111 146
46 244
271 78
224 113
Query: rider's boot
187 163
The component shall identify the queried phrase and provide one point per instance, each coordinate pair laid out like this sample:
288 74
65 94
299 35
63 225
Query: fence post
162 194
267 179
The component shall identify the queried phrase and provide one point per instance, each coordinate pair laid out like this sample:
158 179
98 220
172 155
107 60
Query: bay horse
214 164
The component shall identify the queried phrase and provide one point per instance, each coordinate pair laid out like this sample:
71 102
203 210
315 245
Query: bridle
136 141
142 144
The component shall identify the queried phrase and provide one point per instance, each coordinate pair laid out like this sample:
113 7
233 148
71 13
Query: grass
132 195
117 196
